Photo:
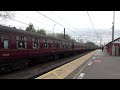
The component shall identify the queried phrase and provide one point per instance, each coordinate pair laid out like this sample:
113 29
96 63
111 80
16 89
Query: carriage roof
23 32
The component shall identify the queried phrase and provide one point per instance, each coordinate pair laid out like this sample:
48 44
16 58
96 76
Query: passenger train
18 48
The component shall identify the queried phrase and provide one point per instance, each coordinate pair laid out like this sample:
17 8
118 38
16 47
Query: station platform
95 65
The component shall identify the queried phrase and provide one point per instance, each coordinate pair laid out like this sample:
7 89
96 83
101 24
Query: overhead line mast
56 22
113 46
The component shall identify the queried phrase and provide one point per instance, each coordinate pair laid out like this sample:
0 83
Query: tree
30 28
51 35
41 32
6 14
73 40
91 44
81 41
61 36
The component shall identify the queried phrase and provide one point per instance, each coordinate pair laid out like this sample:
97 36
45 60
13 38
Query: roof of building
114 40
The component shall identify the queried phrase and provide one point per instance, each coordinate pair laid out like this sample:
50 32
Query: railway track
37 70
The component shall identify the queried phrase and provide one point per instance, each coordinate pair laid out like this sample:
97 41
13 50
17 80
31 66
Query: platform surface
65 70
100 66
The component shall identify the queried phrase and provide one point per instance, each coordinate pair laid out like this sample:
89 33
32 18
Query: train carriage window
57 45
21 42
68 45
36 43
49 43
46 44
60 44
5 42
63 45
72 46
52 43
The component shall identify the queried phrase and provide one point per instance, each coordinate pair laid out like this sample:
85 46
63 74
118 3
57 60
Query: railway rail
32 72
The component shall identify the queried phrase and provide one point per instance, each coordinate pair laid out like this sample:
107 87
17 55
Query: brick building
108 46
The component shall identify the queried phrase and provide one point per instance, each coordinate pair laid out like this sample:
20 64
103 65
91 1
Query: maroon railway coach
16 43
21 46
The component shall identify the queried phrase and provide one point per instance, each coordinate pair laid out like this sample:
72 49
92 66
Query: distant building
117 47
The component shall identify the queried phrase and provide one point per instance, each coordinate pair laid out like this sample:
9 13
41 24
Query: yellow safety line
72 65
68 70
53 71
44 75
57 75
79 72
81 69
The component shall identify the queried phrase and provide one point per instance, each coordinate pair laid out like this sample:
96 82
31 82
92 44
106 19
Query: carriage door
5 42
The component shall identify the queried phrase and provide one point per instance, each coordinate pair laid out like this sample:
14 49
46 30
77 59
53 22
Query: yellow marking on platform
79 72
71 65
63 71
51 76
67 70
44 75
57 75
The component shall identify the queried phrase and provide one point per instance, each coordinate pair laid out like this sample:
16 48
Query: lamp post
53 29
64 33
78 38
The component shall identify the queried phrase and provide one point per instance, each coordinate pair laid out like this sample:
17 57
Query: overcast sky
76 23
